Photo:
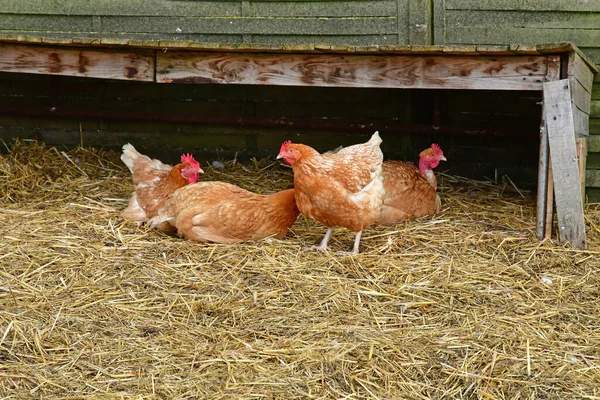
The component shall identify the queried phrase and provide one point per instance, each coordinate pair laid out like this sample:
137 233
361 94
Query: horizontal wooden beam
113 64
341 70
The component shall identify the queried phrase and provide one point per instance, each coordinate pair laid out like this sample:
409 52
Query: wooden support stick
543 180
548 218
581 144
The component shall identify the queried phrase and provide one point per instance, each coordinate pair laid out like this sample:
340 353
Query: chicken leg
356 242
323 245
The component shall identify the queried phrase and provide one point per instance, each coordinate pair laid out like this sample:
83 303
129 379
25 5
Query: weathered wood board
77 62
565 165
424 72
543 179
581 146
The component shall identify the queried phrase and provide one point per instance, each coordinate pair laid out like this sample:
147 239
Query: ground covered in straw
465 305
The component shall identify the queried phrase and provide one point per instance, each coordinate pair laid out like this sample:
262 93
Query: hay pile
465 305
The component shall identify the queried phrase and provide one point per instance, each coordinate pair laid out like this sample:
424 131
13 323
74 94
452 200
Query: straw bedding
464 305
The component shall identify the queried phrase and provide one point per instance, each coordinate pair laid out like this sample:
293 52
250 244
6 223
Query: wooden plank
502 34
580 70
300 9
45 23
581 122
403 14
119 8
440 72
542 188
532 5
593 54
529 19
593 196
354 40
419 21
254 26
594 126
114 64
592 178
595 109
581 97
549 218
554 65
439 22
561 135
596 88
594 144
593 160
581 148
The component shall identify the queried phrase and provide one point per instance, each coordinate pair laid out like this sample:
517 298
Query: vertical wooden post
549 217
581 144
543 179
564 162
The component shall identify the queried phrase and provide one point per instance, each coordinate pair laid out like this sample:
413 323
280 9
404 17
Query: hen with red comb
411 192
154 182
343 189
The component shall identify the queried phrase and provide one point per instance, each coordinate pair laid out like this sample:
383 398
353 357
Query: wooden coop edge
520 49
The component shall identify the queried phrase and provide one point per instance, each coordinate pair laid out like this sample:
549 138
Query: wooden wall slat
119 8
527 5
343 40
300 9
592 178
499 34
44 23
548 20
254 26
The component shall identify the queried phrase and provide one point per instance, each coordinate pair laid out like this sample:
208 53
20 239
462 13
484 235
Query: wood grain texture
76 62
563 154
441 72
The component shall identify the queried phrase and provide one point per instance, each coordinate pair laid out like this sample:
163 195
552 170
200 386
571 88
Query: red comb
285 145
436 147
188 158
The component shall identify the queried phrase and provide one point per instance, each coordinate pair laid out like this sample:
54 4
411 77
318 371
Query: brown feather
342 189
224 213
153 183
408 193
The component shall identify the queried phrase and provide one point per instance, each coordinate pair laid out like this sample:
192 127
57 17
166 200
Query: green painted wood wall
354 22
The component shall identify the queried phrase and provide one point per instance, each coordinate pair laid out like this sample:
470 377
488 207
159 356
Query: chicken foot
323 245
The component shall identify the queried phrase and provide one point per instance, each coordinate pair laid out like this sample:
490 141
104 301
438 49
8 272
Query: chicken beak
442 158
279 156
